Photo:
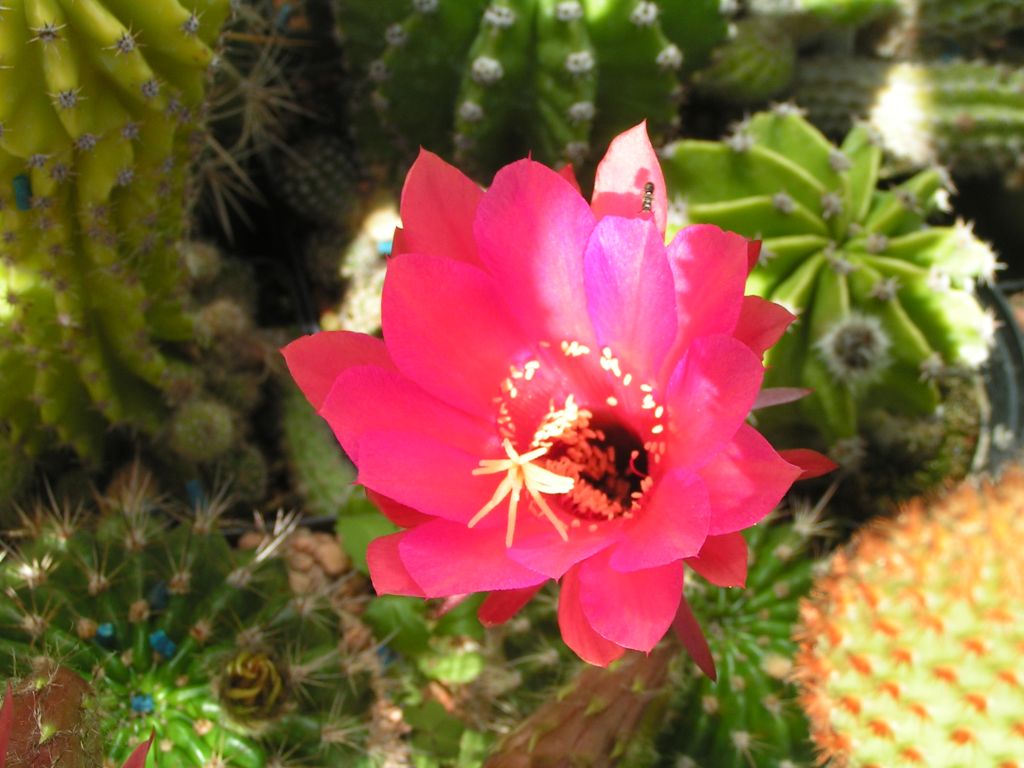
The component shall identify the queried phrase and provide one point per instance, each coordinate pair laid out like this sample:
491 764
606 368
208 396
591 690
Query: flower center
596 458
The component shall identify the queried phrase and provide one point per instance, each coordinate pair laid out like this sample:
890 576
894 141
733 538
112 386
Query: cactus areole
568 402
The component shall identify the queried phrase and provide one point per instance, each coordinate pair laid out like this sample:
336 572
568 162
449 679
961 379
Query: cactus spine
99 106
910 645
181 635
884 301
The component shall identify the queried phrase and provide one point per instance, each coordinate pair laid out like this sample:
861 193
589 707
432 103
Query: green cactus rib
181 635
754 65
750 716
885 302
489 81
968 116
910 643
98 103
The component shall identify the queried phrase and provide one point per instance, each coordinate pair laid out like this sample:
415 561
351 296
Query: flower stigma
521 473
593 457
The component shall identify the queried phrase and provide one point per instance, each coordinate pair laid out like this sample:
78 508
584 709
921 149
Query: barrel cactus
885 301
968 116
486 80
99 102
181 635
910 644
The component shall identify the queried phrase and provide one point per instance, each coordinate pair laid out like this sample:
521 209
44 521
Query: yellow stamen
522 474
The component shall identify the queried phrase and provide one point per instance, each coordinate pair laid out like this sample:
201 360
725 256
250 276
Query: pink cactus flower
559 395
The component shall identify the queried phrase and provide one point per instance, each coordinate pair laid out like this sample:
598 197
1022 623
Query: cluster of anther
586 455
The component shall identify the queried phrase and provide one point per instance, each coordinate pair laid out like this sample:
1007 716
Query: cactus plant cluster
750 715
181 635
911 643
98 113
490 81
968 116
885 301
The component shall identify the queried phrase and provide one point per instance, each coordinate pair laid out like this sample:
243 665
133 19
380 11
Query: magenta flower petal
426 474
372 399
710 271
567 173
531 230
745 481
710 394
632 609
761 323
499 607
387 571
630 293
671 526
316 361
688 630
811 463
539 547
622 174
459 344
399 514
576 630
438 206
722 560
446 558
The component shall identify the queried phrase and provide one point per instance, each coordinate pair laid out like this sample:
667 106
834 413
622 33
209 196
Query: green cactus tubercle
884 301
181 635
98 103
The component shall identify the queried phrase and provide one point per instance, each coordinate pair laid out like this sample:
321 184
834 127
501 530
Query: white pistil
520 473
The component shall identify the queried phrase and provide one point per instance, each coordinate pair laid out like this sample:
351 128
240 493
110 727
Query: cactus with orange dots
99 107
911 643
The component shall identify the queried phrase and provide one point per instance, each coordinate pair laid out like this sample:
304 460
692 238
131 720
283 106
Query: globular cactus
750 715
911 642
885 301
491 80
968 116
181 635
99 106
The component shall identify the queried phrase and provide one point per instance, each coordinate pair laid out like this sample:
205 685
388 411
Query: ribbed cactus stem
968 116
596 720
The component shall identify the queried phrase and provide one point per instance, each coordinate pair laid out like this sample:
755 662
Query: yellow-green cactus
99 102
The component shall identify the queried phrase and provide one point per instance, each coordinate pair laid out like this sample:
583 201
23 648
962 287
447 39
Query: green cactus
750 715
968 116
317 181
319 471
98 109
490 81
911 642
885 302
755 64
182 635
